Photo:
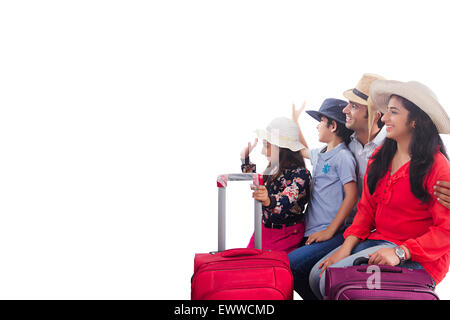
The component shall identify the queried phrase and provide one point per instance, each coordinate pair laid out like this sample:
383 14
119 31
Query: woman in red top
398 221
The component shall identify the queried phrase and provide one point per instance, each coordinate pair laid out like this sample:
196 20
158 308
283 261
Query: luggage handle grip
383 268
361 260
222 180
240 252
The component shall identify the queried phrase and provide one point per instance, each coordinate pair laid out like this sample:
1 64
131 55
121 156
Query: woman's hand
296 113
246 151
384 256
320 236
262 195
338 255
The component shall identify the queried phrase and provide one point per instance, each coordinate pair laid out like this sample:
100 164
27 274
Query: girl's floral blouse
288 194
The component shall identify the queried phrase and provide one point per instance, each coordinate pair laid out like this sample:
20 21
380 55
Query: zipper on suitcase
280 263
350 287
203 267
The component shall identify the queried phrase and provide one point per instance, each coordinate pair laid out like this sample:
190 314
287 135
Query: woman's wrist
349 243
346 248
407 252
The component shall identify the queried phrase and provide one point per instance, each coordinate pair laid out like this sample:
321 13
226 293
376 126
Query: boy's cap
330 108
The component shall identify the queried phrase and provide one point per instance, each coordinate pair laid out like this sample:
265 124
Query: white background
117 116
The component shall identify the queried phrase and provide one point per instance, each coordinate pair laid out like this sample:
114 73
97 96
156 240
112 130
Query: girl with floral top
286 188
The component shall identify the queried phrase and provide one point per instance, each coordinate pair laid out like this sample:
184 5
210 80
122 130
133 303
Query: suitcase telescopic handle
222 182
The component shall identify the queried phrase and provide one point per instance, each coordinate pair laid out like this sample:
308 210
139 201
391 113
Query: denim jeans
304 258
363 249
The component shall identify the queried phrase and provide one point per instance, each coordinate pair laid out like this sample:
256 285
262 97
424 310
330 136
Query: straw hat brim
349 95
283 142
382 90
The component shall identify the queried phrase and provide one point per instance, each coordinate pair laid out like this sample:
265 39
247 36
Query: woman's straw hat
382 90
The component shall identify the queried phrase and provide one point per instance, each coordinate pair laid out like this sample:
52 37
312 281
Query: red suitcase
241 274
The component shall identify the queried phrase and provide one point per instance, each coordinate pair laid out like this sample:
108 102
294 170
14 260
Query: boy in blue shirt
333 195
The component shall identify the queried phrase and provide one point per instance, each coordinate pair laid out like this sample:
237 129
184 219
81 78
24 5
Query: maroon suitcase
241 274
378 282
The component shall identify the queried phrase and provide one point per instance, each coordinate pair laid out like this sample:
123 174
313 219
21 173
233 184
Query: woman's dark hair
341 130
288 159
425 142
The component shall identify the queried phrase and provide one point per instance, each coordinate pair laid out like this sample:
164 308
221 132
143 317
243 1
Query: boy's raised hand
296 112
246 151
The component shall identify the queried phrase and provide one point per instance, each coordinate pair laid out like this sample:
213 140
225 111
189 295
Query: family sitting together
380 186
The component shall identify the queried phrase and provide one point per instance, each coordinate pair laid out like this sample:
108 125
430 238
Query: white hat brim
280 141
382 90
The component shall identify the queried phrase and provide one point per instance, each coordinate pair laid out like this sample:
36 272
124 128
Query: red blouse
394 214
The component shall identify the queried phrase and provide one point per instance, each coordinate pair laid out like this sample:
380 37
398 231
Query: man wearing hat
365 121
369 132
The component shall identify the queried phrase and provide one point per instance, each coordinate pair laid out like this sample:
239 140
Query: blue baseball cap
330 108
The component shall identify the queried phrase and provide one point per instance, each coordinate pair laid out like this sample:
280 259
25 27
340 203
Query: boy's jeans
304 258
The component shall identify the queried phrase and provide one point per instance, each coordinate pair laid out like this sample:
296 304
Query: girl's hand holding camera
259 192
245 153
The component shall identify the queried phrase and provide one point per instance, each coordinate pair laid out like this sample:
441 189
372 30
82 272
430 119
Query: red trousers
285 239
